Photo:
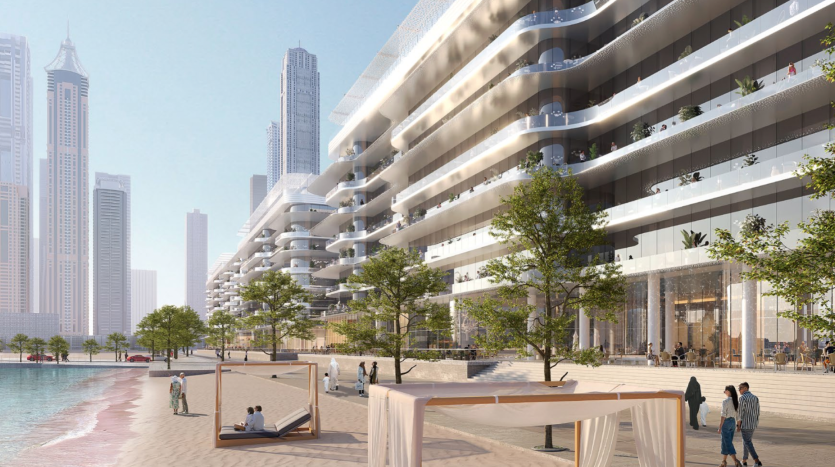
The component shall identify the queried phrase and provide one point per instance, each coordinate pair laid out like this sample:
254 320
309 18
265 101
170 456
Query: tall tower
299 113
15 174
65 234
143 295
111 254
273 153
257 191
197 260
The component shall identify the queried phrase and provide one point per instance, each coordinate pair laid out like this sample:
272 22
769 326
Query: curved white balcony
342 290
263 268
344 239
298 270
478 242
263 254
227 273
509 136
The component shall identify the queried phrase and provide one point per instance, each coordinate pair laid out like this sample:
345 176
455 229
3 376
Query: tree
400 284
282 312
19 344
147 332
116 342
551 235
36 346
91 347
58 346
172 326
2 345
800 273
221 330
193 329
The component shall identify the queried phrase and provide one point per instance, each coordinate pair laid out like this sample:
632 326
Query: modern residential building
640 100
273 153
257 191
143 295
42 325
277 237
197 260
15 174
64 233
111 255
299 126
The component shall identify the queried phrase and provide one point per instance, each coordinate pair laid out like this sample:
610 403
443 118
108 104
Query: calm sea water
29 397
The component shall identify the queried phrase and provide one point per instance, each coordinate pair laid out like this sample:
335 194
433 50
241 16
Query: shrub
689 111
641 130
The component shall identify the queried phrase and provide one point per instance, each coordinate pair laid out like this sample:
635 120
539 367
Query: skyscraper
273 153
299 126
143 295
15 174
197 260
34 275
65 233
111 254
257 191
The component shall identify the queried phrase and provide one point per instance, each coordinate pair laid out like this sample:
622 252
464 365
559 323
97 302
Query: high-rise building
273 153
65 233
197 260
641 100
143 295
257 191
15 174
35 274
299 125
111 254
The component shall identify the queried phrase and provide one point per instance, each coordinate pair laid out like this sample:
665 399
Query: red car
39 358
138 358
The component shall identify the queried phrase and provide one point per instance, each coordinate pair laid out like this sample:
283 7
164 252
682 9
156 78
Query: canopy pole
577 434
680 419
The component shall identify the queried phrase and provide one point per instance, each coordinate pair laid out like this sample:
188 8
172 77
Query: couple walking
740 413
177 391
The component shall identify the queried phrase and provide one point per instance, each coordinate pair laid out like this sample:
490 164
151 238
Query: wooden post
577 438
680 418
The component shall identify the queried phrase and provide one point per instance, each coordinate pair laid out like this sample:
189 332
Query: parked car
39 358
138 358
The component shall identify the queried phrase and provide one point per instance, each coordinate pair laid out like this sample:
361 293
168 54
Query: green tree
147 332
221 330
2 345
400 283
116 342
36 346
551 235
193 329
91 347
58 346
801 272
173 324
282 312
19 344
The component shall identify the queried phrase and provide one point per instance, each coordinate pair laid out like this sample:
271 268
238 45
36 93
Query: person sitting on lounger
257 419
247 424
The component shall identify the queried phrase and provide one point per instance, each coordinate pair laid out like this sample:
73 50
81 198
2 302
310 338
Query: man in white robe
333 372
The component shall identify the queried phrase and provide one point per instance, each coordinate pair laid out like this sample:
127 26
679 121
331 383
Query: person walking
183 385
749 418
372 375
727 424
362 378
333 371
703 411
174 393
693 396
246 355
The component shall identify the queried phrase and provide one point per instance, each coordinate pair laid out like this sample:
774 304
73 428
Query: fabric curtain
597 440
655 424
406 414
377 425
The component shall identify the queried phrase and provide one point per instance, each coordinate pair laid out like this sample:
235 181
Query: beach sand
161 438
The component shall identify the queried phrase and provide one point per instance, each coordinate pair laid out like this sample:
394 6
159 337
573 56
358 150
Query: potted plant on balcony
594 151
350 228
349 177
689 111
420 212
748 86
750 160
641 130
639 19
745 20
687 51
349 152
686 179
451 196
351 252
693 239
522 63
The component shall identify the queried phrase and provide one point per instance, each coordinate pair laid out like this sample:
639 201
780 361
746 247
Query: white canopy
657 417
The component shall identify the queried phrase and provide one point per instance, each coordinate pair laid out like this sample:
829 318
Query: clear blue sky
181 93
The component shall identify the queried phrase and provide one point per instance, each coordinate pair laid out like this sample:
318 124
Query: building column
749 322
456 324
531 318
654 312
669 317
583 328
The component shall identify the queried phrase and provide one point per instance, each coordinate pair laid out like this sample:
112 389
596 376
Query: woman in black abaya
693 396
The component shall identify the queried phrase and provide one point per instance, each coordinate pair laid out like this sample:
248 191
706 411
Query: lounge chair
281 428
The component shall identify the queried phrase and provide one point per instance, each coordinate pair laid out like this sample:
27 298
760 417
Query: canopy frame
299 434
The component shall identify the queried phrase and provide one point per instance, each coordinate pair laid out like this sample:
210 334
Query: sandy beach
158 437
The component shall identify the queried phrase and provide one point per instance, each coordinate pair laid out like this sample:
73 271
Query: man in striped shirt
746 422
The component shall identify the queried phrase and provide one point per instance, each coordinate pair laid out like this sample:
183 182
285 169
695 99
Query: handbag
358 386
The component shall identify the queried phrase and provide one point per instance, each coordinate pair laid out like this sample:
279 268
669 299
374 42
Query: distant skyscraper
65 234
111 254
15 174
143 295
34 275
299 113
257 191
197 260
273 154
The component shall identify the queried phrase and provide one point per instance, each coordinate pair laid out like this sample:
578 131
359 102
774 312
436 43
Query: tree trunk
546 360
168 357
274 356
91 357
398 378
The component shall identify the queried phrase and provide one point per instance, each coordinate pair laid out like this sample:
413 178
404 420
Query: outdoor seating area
780 361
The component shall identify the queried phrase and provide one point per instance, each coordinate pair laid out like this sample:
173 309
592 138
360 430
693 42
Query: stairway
794 393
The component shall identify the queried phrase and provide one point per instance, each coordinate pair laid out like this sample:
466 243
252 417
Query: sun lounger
281 428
